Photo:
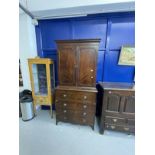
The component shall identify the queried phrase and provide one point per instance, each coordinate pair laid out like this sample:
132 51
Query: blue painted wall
114 30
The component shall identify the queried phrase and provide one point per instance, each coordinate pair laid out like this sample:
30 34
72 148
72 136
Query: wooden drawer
120 92
120 128
74 102
77 113
75 117
75 95
75 106
119 121
114 120
42 100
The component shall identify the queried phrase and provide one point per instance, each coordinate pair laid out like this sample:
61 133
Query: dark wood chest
117 104
76 93
75 105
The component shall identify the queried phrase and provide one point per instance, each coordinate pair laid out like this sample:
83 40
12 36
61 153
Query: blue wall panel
100 65
114 30
90 29
54 30
122 32
114 72
39 41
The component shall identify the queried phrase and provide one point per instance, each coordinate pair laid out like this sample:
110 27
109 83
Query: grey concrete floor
41 136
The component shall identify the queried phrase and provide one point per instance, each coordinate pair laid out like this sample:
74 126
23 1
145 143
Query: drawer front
119 121
120 92
120 128
75 95
114 120
68 105
82 113
42 100
75 117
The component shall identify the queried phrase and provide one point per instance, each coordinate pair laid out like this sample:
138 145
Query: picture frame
127 56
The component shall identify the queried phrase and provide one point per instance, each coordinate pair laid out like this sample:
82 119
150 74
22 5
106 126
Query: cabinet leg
102 126
56 122
101 131
51 110
92 127
34 109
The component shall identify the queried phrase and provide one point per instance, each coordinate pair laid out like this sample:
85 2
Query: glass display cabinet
42 81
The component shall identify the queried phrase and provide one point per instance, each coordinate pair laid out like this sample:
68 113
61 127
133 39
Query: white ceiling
44 9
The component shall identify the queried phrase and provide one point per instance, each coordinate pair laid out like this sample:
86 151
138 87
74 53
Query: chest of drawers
75 105
117 104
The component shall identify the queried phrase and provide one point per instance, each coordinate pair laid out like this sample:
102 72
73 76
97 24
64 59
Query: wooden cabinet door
112 103
128 106
86 73
67 62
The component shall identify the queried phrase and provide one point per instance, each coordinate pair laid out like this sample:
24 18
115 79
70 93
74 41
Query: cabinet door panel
129 105
113 103
67 61
87 66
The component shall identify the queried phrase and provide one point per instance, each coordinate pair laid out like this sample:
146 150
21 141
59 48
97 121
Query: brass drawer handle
56 100
64 95
85 97
91 77
91 70
65 111
112 127
109 92
115 120
126 129
65 104
84 114
84 106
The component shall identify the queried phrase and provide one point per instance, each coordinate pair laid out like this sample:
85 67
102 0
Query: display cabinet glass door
39 79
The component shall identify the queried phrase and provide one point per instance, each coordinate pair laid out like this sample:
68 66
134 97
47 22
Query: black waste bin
26 105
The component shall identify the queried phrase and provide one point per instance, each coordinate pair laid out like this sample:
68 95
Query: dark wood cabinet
77 62
75 95
118 106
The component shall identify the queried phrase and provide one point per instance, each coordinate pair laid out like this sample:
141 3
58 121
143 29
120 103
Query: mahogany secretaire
75 95
116 106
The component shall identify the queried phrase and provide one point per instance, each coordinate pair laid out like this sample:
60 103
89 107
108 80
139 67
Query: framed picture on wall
127 56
